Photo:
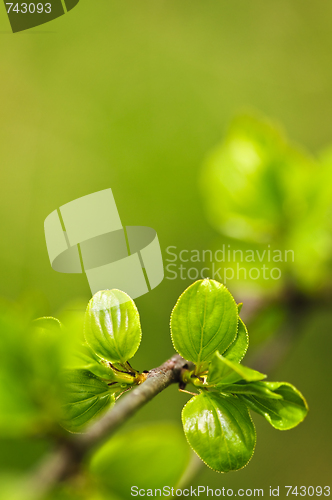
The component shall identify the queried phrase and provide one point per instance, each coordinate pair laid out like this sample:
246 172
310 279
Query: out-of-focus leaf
256 183
46 351
47 324
260 188
311 236
284 413
237 350
152 456
85 397
31 360
204 320
222 371
220 430
112 326
18 412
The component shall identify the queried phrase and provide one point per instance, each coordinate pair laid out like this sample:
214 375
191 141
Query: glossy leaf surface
222 371
204 320
284 413
251 389
85 397
112 326
220 431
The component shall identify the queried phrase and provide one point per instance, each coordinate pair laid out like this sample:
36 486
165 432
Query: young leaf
204 320
251 389
31 360
237 350
84 358
220 430
112 326
256 182
222 371
46 324
284 413
149 457
85 397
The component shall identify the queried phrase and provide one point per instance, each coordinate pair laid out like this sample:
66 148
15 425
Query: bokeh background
134 95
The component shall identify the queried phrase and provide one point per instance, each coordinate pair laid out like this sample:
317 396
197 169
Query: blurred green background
133 96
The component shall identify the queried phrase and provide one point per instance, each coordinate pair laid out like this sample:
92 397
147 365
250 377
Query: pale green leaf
223 371
284 413
251 389
237 350
204 320
112 326
47 323
31 360
220 430
256 183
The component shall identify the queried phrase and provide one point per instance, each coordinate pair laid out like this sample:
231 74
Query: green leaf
220 430
46 324
222 371
31 360
148 457
251 389
203 320
237 350
256 183
284 413
85 397
112 326
84 358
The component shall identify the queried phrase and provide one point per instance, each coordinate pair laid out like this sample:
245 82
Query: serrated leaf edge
209 466
139 317
267 418
237 324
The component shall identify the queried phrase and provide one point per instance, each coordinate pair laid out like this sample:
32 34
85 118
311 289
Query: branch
66 460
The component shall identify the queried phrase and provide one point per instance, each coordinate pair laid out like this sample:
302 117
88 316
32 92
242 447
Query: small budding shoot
208 333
